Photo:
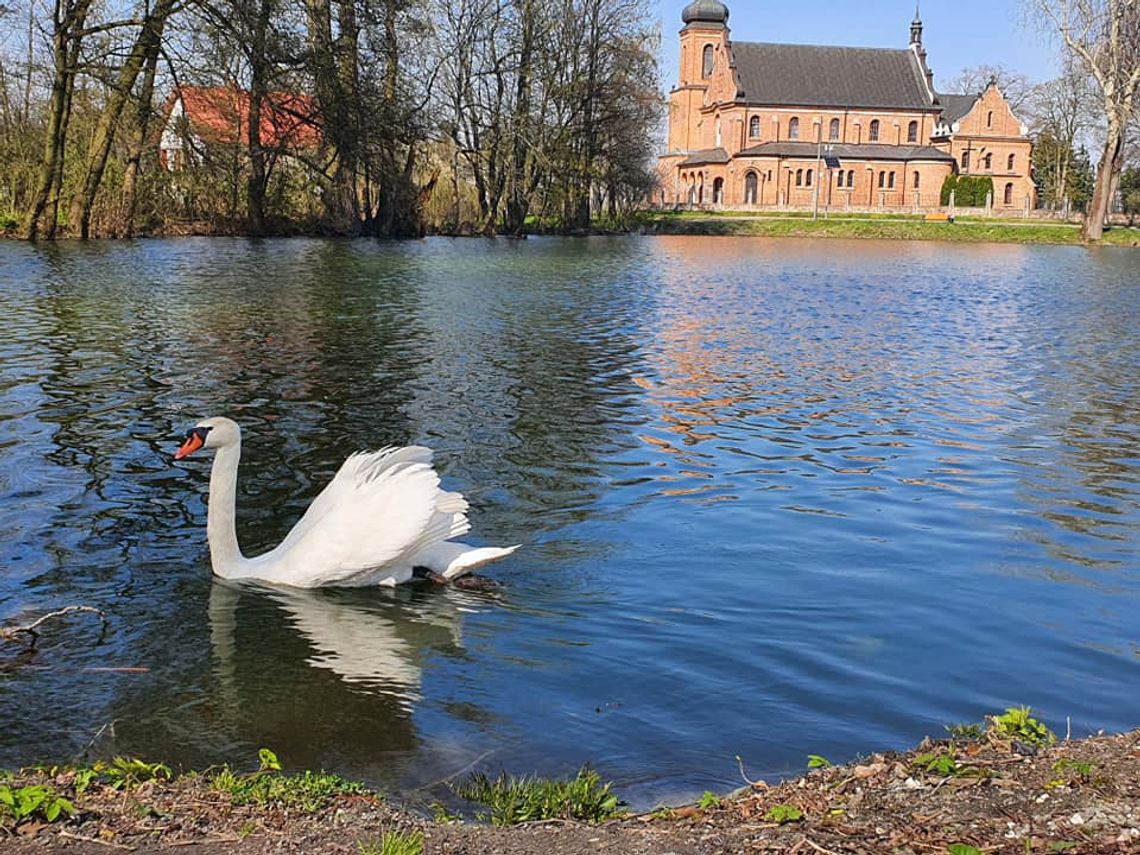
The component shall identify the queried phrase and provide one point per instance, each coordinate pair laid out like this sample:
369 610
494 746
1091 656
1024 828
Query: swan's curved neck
221 523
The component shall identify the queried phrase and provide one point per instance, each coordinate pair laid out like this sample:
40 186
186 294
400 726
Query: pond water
776 498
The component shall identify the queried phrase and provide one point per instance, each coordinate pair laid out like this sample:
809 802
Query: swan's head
209 433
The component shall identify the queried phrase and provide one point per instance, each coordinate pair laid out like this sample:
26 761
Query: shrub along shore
881 227
1006 785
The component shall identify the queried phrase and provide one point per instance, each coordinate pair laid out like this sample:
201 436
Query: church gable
991 116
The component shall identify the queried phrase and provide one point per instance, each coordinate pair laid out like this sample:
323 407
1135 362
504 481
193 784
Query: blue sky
958 34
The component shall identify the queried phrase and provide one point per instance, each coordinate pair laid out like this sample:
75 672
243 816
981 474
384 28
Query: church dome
705 12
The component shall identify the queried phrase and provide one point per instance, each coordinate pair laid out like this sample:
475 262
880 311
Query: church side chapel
757 124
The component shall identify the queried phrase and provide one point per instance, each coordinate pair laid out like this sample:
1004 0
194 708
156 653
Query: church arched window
794 128
709 61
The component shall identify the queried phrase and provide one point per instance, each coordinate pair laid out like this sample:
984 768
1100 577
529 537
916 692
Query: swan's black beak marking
195 439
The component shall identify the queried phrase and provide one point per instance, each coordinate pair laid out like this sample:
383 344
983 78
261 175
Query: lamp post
818 167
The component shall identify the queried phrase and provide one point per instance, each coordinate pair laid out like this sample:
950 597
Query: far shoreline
880 227
791 224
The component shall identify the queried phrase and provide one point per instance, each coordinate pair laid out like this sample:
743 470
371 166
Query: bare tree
1105 36
1063 110
143 54
69 28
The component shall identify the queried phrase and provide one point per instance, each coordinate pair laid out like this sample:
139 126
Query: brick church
755 124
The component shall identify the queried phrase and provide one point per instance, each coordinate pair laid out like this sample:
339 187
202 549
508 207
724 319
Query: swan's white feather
381 516
451 560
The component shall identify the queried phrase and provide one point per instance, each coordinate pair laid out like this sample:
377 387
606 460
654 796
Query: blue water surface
776 498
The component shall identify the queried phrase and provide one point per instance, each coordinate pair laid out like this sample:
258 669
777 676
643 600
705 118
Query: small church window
810 174
966 160
882 179
799 178
990 119
850 177
1011 162
839 178
912 132
891 181
917 178
833 130
989 162
874 136
754 127
709 62
1009 194
794 128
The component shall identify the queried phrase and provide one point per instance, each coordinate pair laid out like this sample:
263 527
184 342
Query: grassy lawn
881 226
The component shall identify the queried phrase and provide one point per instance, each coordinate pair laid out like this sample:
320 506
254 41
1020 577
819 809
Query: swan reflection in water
318 673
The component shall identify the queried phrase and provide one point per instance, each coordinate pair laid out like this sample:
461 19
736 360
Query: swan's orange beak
195 439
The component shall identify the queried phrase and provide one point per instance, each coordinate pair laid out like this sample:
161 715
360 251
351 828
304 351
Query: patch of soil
1079 797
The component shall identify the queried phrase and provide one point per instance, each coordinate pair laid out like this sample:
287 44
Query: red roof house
197 116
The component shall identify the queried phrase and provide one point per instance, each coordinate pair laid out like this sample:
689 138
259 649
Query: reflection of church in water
756 124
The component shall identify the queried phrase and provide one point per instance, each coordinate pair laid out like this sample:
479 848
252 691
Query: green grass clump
394 843
709 799
308 791
517 800
1017 723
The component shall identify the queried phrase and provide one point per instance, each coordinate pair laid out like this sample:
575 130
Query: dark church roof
820 76
866 151
708 155
955 107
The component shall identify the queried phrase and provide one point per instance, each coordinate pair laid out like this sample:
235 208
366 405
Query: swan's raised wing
380 509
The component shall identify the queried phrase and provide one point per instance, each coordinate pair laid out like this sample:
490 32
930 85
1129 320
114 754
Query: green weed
517 800
308 791
440 813
1016 723
971 732
126 773
963 849
1073 770
709 799
31 802
815 761
783 814
394 843
938 764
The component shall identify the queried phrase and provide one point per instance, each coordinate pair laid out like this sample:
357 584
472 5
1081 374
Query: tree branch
32 629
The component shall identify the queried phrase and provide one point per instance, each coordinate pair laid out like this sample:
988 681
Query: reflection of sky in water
777 497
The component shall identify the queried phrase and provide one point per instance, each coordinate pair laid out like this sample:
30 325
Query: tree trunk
1102 192
517 202
139 141
66 38
147 42
258 86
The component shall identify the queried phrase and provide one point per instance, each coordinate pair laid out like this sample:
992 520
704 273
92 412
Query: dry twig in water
31 630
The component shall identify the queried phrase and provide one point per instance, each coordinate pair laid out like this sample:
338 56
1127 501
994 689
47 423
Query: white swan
381 519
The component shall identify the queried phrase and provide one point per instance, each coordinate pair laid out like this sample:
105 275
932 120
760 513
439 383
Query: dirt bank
1000 796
